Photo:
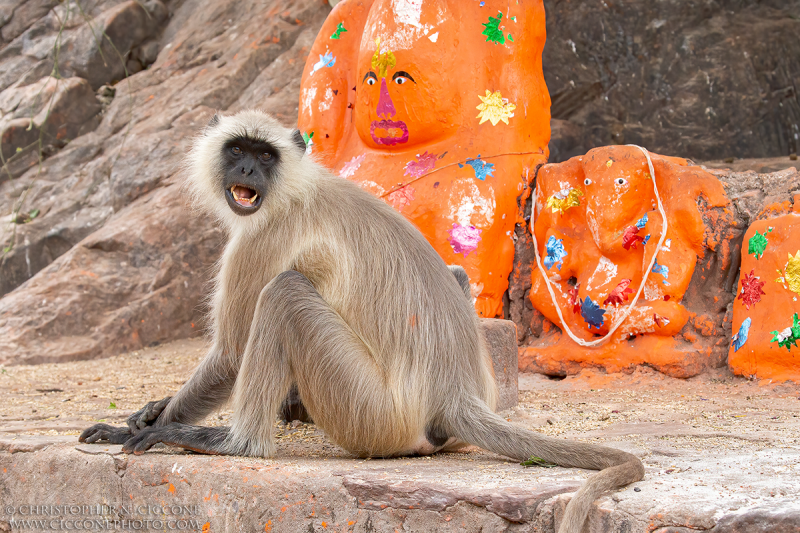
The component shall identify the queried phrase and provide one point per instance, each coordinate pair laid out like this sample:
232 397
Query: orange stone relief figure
440 108
766 312
597 227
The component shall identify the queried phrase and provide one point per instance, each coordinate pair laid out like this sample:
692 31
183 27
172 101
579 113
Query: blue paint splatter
642 222
555 252
646 238
592 313
740 338
326 60
482 168
663 270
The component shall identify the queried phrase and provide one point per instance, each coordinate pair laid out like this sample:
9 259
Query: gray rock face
115 259
705 80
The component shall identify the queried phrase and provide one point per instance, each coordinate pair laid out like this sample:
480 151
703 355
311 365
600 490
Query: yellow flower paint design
791 274
495 108
382 62
561 201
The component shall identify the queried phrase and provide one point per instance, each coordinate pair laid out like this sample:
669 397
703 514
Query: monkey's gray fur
324 286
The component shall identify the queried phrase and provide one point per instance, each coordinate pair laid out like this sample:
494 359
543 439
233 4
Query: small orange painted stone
597 227
766 312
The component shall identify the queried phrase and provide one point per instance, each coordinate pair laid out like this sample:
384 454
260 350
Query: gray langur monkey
326 287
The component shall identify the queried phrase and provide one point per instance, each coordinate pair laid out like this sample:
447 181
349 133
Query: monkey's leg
196 438
297 337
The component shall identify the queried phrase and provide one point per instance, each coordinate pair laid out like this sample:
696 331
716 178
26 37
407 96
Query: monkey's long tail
478 425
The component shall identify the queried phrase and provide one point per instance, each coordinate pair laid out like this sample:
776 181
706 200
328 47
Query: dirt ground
715 409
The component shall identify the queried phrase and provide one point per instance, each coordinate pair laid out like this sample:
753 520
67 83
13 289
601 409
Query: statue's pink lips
396 131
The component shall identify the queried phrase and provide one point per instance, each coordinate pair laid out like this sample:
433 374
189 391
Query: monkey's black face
250 166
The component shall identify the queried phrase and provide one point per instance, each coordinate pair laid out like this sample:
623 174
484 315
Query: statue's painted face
385 130
399 103
616 195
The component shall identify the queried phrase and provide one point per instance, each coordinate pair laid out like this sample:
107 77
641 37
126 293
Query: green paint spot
493 32
789 336
757 244
112 405
307 137
538 461
510 38
340 29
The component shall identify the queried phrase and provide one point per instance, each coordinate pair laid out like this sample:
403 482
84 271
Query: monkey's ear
213 122
297 138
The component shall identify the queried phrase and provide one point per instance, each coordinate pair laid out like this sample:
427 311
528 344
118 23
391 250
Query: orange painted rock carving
440 108
766 312
597 225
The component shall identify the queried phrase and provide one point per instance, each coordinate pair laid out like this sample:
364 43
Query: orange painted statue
766 312
440 108
597 228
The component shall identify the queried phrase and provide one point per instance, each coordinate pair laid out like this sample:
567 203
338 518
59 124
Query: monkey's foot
293 408
145 416
195 438
104 432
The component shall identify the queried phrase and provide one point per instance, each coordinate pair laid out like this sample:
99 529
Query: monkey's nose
247 171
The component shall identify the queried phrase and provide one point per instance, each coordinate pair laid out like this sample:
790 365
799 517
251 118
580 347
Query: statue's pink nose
385 104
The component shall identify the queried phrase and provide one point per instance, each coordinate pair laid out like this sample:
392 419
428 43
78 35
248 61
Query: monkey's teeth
242 201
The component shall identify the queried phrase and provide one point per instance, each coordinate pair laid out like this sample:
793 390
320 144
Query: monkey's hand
146 415
143 440
105 432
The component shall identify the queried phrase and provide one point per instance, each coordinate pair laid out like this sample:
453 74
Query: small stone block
501 340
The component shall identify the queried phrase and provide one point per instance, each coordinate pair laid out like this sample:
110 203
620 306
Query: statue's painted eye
235 150
400 81
587 181
371 81
621 181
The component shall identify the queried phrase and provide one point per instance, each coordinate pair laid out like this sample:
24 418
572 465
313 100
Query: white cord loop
630 307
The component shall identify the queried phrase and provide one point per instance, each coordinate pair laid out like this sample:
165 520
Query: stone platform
721 454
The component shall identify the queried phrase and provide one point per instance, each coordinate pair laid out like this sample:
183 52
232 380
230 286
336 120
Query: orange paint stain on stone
171 488
395 109
597 227
766 312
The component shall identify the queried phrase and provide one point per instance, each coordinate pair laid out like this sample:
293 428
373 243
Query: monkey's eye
266 156
235 150
587 181
621 181
371 81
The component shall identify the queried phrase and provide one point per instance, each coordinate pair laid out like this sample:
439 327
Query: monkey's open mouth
243 199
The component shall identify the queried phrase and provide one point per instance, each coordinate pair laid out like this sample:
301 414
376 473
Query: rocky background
99 100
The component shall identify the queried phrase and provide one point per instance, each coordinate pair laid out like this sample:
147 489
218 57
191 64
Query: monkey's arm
209 387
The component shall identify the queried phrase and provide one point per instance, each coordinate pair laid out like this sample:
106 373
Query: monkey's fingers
142 441
148 414
100 432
